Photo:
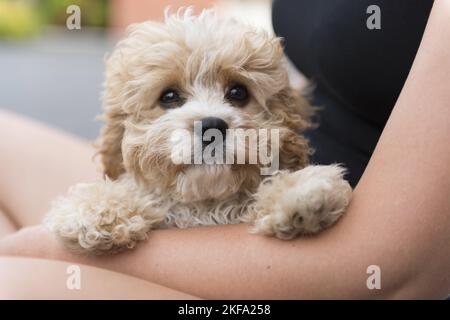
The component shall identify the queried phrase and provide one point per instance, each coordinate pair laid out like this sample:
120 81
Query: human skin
6 225
37 164
28 278
399 218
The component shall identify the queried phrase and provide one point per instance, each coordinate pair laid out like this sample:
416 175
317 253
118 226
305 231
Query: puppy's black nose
214 123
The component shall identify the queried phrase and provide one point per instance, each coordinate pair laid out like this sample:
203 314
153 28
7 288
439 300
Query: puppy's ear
119 98
292 109
110 144
293 112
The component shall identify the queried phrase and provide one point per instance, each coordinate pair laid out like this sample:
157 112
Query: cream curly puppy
164 77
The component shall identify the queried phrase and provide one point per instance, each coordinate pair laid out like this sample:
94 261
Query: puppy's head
222 74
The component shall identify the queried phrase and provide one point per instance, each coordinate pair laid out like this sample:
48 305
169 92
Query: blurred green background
26 18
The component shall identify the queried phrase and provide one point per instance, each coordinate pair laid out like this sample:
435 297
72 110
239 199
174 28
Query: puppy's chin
203 182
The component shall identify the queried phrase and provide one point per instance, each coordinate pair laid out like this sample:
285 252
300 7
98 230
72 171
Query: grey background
56 78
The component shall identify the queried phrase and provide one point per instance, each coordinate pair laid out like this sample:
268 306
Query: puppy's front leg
104 216
301 202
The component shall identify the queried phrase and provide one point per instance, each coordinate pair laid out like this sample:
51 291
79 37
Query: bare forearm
226 262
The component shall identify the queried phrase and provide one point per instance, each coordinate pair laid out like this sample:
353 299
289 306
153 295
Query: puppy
221 74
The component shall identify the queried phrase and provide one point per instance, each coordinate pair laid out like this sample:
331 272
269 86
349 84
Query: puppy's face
168 79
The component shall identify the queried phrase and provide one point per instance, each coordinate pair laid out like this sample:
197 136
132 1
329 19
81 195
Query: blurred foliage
24 18
18 19
93 12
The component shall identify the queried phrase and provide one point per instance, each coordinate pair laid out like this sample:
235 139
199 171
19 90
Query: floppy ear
110 145
292 109
293 112
119 98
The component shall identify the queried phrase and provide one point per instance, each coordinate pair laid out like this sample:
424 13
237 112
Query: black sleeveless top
358 72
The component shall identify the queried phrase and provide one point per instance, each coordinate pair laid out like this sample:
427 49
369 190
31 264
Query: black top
358 72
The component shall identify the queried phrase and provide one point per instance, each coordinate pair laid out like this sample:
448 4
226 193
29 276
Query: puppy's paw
302 202
101 217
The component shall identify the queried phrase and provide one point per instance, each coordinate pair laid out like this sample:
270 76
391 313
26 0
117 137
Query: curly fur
143 189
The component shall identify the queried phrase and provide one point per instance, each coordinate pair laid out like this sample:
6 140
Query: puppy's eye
170 98
238 94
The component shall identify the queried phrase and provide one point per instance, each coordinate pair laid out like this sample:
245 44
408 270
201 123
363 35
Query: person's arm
399 218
